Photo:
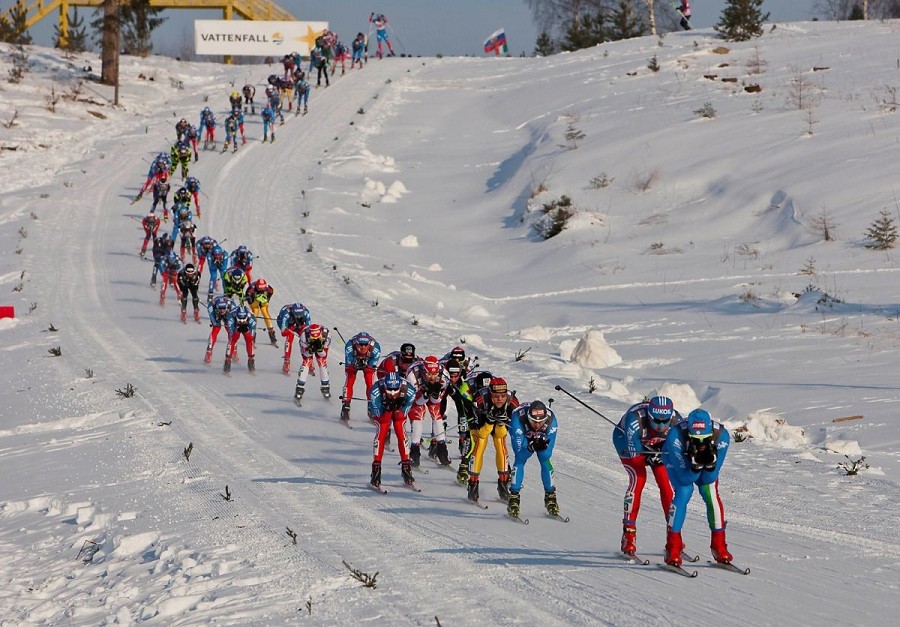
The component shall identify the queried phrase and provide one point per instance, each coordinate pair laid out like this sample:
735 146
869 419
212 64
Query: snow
404 204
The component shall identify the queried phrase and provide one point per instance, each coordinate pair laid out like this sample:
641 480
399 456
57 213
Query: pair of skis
684 572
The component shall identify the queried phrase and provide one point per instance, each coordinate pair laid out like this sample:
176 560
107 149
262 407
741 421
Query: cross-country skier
219 310
249 91
492 408
218 264
151 228
292 320
361 352
189 282
533 429
381 34
242 258
241 323
314 342
258 295
388 405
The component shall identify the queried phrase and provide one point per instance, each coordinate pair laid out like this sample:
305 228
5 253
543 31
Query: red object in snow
7 311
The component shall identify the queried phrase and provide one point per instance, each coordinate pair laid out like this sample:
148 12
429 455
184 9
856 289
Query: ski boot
251 364
462 474
286 366
415 455
406 472
138 197
719 548
265 138
196 159
473 487
503 487
234 150
225 148
326 390
197 316
153 281
512 505
375 480
345 412
443 456
227 368
273 138
272 337
629 533
432 449
674 547
550 502
298 393
184 316
162 298
208 358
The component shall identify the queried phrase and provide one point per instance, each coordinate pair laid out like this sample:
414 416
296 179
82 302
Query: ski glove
538 444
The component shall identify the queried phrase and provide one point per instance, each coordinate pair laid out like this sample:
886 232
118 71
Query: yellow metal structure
262 10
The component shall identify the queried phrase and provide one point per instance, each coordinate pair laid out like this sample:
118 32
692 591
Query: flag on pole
496 43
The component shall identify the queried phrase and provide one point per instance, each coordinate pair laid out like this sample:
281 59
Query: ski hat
699 424
538 412
498 385
407 352
661 409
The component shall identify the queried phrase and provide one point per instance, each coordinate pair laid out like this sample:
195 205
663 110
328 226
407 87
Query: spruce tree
544 46
883 233
13 30
77 35
584 32
624 22
741 20
139 20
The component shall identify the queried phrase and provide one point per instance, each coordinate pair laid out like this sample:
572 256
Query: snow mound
535 334
592 351
842 447
683 396
772 428
410 241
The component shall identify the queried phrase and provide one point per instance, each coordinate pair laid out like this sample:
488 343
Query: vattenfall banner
264 39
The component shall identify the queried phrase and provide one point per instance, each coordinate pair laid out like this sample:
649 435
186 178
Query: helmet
538 412
151 215
432 368
392 385
242 315
699 424
182 121
661 411
183 213
166 237
206 110
236 273
453 369
189 269
261 285
222 304
234 94
481 380
458 353
315 331
298 311
498 386
407 352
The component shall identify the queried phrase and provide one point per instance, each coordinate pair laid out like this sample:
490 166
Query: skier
240 323
358 48
258 295
242 258
341 53
219 311
151 228
249 91
181 213
474 382
268 118
292 320
189 281
302 90
192 185
231 129
273 94
235 100
181 155
161 189
381 34
492 408
388 404
218 262
314 342
638 438
169 267
192 136
162 246
432 385
188 239
159 169
533 427
234 283
181 127
319 60
685 10
286 92
208 123
398 361
694 452
205 246
361 352
288 63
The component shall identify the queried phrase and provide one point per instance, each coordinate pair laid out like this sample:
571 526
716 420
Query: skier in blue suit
533 428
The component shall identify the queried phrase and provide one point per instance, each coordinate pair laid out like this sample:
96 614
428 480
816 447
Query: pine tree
13 30
856 13
584 32
741 20
76 41
544 46
139 20
624 23
883 233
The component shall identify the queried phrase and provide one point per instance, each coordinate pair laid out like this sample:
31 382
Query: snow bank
772 428
592 351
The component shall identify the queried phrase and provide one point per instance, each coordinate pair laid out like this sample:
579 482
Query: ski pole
340 336
353 398
578 400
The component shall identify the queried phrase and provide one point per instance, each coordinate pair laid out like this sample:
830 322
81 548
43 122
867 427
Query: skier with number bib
217 260
381 34
302 90
533 429
259 294
638 438
268 118
361 352
249 91
493 406
162 246
694 452
219 311
313 342
169 267
151 227
231 129
389 402
432 385
189 281
161 194
292 320
241 323
192 185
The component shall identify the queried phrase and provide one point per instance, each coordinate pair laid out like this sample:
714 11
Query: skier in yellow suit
258 295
